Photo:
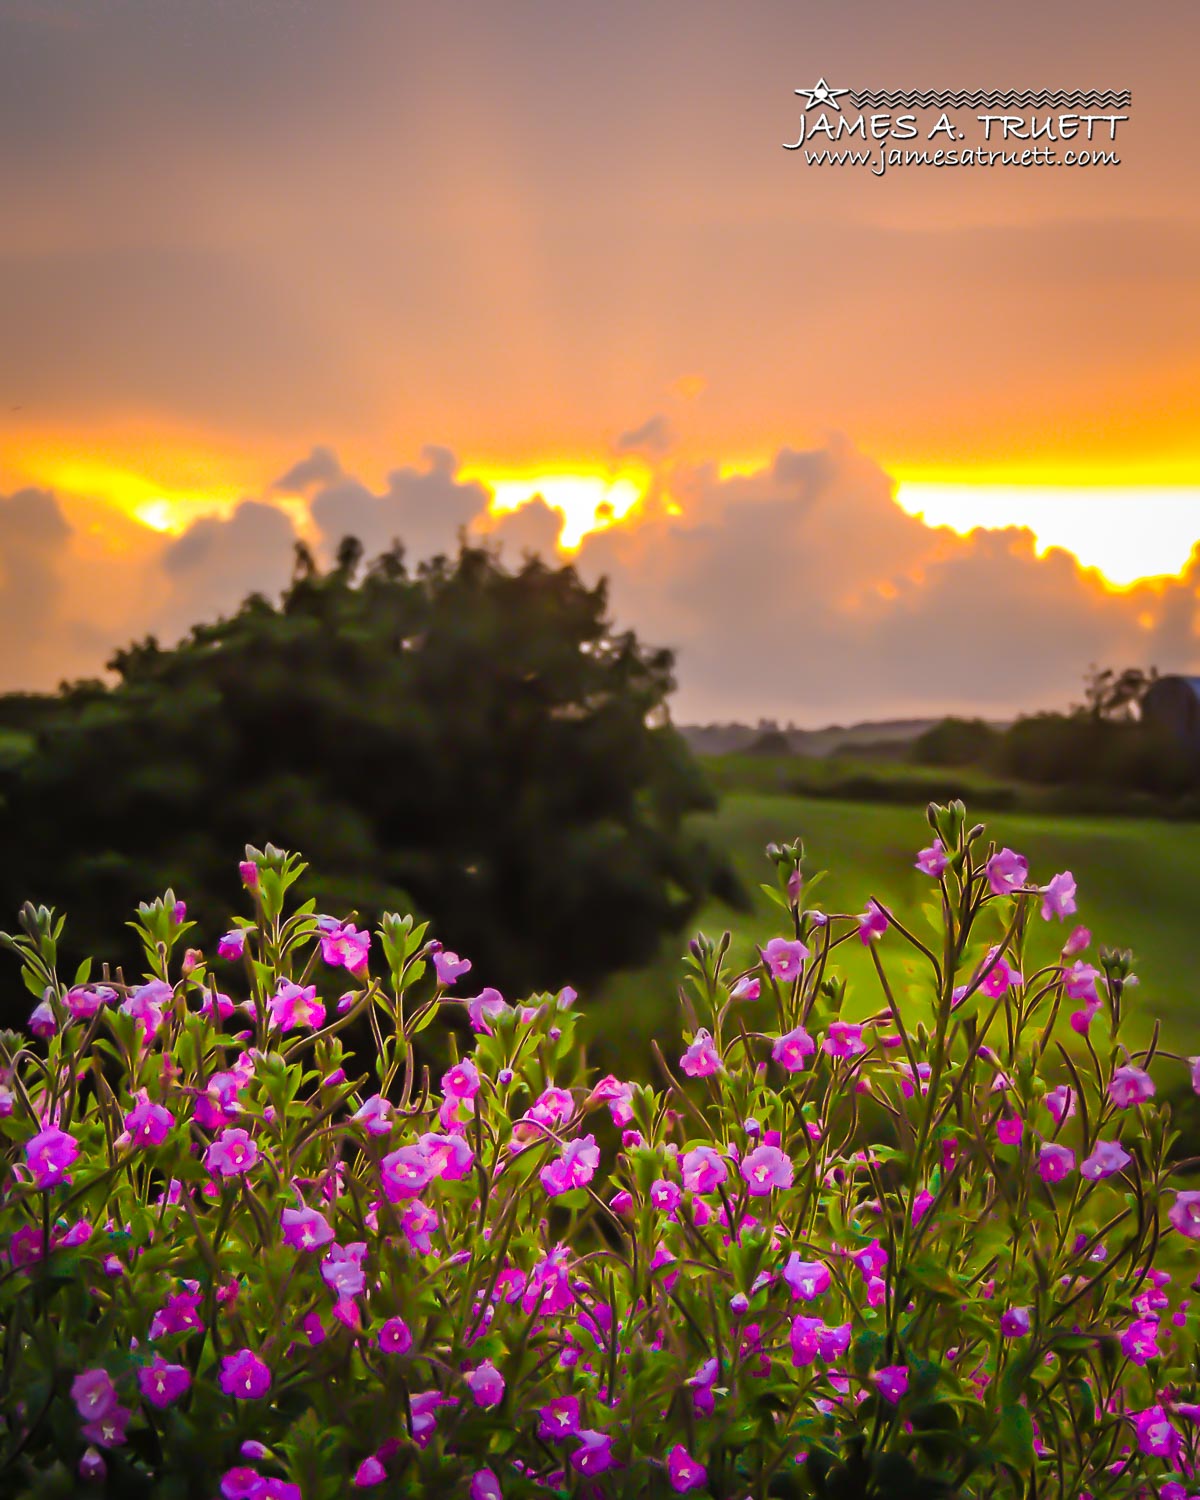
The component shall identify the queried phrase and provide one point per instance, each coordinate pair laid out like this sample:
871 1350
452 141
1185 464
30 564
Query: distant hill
873 735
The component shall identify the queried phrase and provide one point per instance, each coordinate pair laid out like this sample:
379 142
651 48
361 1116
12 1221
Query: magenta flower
703 1169
305 1229
932 861
1107 1158
594 1454
1079 981
450 1157
486 1384
1058 898
1130 1086
374 1115
42 1020
845 1039
1184 1214
405 1173
92 1466
449 967
86 1001
418 1222
765 1169
1156 1437
617 1095
295 1007
558 1419
665 1195
1139 1342
792 1048
94 1394
48 1155
1054 1162
148 1124
485 1486
162 1383
369 1473
146 1005
342 1269
892 1381
871 1260
244 1376
683 1471
343 945
233 945
574 1167
701 1059
179 1314
461 1081
873 923
109 1430
1080 939
701 1384
394 1337
746 988
833 1342
1009 1129
232 1154
485 1007
1060 1102
999 976
1007 872
805 1338
1015 1323
784 958
807 1278
921 1204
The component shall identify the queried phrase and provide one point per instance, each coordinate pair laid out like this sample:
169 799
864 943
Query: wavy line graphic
991 99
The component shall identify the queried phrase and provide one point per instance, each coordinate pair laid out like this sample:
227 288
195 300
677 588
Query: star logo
822 94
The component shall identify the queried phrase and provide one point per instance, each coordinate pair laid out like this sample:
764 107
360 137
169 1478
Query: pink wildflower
932 861
765 1169
683 1471
244 1376
701 1059
784 958
1058 898
1007 872
574 1167
873 923
790 1049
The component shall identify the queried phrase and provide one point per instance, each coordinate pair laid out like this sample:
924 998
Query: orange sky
566 242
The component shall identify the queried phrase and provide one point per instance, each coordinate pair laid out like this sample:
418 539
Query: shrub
932 1247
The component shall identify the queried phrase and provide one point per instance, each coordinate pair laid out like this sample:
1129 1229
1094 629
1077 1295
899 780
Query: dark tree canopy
478 744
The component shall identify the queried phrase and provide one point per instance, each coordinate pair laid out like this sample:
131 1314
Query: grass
1139 888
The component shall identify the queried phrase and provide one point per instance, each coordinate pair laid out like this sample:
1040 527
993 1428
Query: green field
1139 888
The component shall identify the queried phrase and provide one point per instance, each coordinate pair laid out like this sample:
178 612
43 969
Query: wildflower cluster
934 1247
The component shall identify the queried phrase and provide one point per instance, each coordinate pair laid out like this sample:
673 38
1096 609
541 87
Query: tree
480 743
1110 694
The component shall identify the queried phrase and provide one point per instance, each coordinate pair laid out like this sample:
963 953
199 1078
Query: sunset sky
276 268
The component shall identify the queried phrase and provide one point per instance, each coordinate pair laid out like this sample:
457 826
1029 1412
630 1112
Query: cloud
425 508
797 591
33 536
321 467
653 439
802 591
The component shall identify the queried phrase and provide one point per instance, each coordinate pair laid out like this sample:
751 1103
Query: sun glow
165 507
1127 532
586 502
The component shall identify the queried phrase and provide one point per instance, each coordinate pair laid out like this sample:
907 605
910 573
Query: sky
273 268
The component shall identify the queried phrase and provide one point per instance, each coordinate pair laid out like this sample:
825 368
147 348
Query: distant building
1173 704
